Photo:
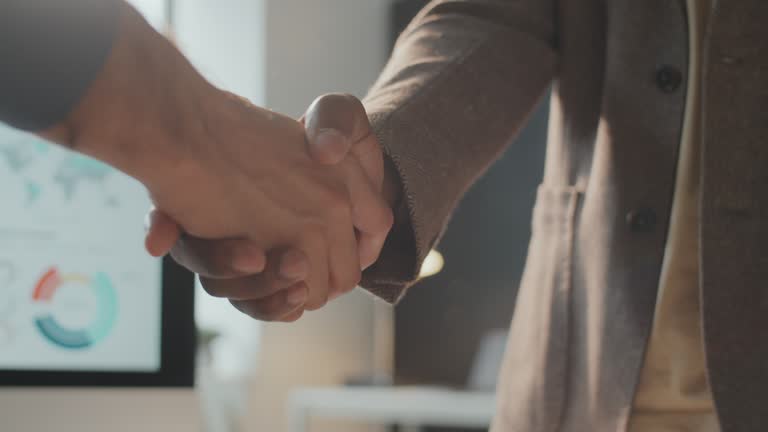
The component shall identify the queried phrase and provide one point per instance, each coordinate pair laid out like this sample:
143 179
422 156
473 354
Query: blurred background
358 364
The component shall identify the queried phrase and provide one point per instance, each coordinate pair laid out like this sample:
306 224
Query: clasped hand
277 216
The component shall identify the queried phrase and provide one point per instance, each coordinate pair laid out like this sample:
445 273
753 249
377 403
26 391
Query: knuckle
357 281
257 310
263 286
355 278
240 307
315 304
188 254
348 281
179 254
293 317
213 287
377 252
268 288
267 317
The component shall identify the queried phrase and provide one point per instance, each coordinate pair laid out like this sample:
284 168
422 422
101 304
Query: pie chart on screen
95 291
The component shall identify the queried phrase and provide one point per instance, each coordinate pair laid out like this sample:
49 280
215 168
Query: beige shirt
673 395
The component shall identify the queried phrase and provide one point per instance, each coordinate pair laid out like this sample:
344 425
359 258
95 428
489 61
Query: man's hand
221 168
338 132
267 288
338 127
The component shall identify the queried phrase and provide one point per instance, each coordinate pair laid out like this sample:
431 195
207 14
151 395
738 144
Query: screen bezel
177 346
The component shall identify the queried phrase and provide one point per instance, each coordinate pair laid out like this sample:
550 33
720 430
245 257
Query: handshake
278 216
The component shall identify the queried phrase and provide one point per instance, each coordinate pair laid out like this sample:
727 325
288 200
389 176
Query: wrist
138 112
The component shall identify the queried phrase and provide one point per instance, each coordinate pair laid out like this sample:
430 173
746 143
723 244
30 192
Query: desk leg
298 419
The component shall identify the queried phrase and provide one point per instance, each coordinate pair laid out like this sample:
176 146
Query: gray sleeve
50 51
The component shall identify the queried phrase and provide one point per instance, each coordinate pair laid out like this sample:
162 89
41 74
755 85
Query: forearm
461 82
142 108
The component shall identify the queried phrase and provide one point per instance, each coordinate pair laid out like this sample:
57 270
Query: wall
313 47
225 40
318 46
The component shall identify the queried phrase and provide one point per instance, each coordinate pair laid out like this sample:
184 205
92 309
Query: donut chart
76 338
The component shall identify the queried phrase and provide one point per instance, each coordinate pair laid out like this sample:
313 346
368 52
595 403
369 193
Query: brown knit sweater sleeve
461 82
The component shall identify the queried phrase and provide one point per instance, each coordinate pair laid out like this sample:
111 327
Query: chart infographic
78 337
77 290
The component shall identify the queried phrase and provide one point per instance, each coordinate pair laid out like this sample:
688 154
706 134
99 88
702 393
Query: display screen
77 290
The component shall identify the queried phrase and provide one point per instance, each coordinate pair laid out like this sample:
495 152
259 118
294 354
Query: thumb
334 122
162 233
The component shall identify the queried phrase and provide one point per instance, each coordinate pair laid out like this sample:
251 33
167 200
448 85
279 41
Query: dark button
668 78
641 220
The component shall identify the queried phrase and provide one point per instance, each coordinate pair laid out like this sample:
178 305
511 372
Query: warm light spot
432 264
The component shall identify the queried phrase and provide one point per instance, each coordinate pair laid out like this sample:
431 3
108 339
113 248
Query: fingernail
297 295
293 266
329 136
249 260
332 145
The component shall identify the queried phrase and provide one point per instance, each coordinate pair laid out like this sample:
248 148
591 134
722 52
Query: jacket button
641 220
668 78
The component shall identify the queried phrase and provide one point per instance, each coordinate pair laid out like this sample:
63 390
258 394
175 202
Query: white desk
405 406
